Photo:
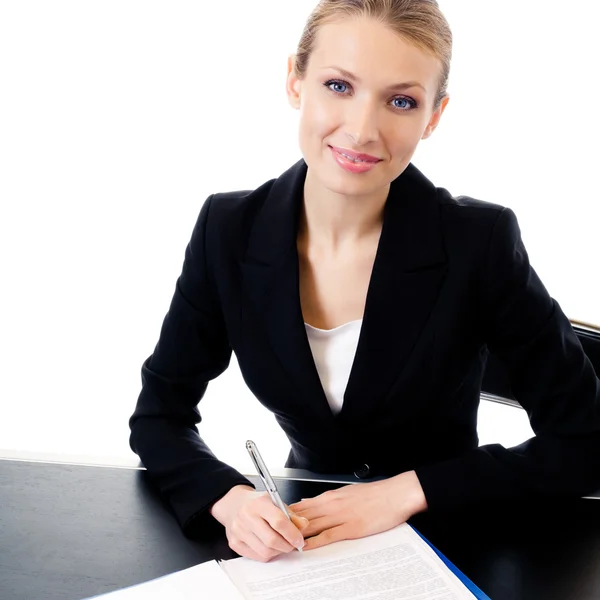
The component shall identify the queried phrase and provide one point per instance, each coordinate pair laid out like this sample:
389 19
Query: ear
292 87
435 117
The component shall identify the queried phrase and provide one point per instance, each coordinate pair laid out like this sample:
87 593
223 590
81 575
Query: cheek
317 119
407 133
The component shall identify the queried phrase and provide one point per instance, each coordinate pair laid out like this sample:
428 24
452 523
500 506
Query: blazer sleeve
551 377
192 349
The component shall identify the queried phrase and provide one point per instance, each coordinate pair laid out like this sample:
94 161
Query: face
384 110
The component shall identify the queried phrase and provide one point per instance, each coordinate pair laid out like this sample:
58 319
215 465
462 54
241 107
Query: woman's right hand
254 526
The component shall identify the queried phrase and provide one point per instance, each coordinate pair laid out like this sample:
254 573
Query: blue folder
479 594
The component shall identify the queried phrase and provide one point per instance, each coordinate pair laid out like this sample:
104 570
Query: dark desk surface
70 532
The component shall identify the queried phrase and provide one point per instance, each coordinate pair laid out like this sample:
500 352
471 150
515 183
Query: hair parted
420 22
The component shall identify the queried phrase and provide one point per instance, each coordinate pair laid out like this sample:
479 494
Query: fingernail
300 544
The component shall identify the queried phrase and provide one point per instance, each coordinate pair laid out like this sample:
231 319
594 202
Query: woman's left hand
359 510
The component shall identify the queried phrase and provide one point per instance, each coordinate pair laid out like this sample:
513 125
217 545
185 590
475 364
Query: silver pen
266 478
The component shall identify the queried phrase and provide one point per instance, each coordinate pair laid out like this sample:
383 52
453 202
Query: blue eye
405 103
339 83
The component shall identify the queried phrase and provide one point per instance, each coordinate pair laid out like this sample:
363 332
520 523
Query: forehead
374 53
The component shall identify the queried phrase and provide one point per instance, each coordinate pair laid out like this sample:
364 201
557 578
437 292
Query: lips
356 155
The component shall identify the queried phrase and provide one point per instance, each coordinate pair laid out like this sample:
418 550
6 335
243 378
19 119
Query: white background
119 118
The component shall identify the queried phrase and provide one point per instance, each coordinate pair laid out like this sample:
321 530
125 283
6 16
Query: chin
345 186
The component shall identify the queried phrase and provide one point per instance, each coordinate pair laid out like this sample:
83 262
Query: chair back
496 385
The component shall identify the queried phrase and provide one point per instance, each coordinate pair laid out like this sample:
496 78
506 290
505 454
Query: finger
318 511
271 526
270 538
284 527
329 536
244 549
300 522
307 502
254 530
303 504
320 524
316 503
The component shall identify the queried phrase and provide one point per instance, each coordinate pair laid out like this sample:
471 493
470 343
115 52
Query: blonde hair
420 22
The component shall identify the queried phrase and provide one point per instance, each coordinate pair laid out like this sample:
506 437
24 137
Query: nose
362 122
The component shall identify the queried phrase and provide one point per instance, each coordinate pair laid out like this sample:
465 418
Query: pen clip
256 458
264 474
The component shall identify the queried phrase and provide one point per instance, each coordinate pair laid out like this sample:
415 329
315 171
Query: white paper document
396 564
206 581
393 565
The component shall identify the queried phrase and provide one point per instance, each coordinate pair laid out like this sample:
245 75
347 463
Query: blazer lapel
408 273
271 280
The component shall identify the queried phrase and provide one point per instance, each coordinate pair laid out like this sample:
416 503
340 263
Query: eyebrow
396 86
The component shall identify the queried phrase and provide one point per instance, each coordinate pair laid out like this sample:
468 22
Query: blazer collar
407 275
411 220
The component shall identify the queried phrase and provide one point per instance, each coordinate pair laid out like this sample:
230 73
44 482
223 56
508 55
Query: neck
333 221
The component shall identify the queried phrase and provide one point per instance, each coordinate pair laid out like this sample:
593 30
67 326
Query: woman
360 301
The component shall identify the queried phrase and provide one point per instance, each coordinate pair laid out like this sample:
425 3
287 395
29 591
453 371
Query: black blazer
451 279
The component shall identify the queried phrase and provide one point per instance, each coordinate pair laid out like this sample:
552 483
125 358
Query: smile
358 160
353 165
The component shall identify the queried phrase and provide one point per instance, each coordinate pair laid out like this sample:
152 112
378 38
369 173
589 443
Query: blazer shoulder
472 225
230 216
228 206
466 213
467 206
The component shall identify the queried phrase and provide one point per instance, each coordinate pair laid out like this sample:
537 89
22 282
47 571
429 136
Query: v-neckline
333 329
361 335
408 272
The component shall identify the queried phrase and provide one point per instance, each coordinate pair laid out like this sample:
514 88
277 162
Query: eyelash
413 103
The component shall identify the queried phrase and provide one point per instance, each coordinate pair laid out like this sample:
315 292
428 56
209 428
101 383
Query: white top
333 351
